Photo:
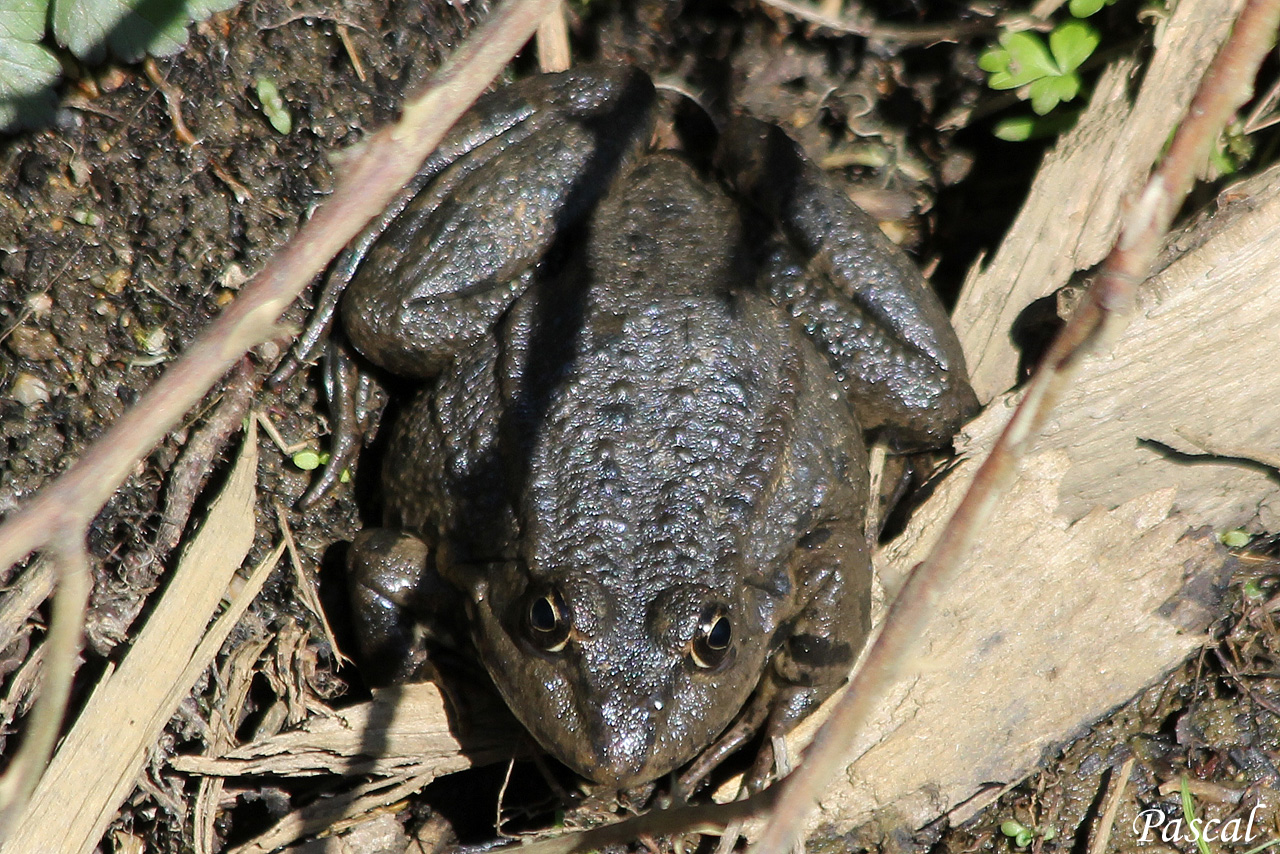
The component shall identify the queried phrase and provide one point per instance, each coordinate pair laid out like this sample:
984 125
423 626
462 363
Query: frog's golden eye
547 620
711 643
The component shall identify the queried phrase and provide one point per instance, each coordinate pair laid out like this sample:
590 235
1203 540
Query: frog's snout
623 740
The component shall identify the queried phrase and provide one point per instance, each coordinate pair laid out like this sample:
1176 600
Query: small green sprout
1253 590
153 341
1022 835
273 106
1233 150
309 460
1235 538
1189 814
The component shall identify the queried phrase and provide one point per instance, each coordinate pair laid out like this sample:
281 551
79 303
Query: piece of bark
403 731
1071 216
1053 624
1193 381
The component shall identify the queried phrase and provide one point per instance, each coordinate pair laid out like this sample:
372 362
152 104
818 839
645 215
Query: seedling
1022 835
273 105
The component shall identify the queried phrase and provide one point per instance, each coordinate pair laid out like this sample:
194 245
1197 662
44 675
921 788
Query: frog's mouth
623 736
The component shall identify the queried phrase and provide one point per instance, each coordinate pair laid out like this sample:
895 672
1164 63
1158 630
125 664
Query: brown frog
637 469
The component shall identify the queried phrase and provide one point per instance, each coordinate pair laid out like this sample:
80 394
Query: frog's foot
743 730
355 400
773 712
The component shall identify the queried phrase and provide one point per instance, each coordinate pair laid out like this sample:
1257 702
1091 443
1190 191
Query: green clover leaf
1048 92
1085 8
1024 59
1072 42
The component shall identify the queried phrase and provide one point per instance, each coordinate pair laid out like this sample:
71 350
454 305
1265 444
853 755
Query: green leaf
1048 92
1072 42
1029 60
1012 827
994 59
129 28
1189 813
22 20
28 70
1085 8
1235 538
1017 129
307 459
1022 128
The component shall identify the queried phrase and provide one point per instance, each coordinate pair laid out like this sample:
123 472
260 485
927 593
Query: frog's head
622 684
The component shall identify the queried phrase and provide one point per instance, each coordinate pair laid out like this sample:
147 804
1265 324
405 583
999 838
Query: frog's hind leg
860 300
449 264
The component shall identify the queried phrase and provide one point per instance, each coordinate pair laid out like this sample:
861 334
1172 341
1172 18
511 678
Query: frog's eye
548 621
711 643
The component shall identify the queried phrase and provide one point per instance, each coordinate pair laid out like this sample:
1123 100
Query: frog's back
659 449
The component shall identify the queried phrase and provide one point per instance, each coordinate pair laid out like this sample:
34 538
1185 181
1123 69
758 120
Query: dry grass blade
98 763
1098 844
1225 87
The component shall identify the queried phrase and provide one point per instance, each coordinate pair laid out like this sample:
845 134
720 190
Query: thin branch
1226 85
862 24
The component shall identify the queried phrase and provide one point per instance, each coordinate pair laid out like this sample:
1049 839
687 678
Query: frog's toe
355 399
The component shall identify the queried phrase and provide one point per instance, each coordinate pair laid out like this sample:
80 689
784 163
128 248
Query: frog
632 481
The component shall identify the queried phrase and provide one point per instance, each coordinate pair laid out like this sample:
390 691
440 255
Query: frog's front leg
402 606
857 296
831 570
451 260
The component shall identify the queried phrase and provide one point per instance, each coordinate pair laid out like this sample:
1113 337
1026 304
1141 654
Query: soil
118 242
